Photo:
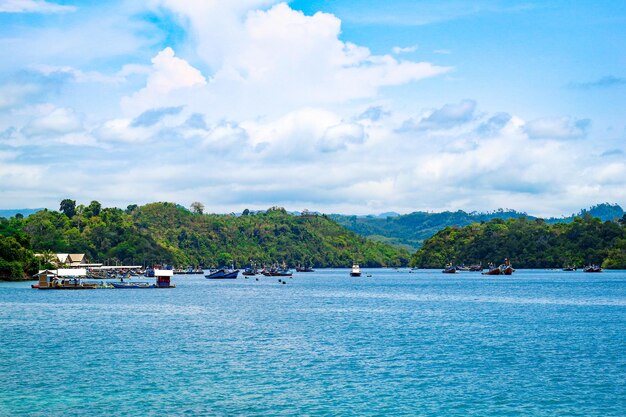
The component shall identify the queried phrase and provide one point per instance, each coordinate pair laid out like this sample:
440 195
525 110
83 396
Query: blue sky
337 106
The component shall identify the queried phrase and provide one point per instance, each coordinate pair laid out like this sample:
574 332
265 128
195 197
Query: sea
393 342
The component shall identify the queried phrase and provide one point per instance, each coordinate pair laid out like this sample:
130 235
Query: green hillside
410 230
528 243
168 233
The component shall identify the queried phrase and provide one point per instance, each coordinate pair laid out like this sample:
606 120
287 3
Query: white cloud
168 74
400 50
12 95
339 136
121 130
557 128
59 121
447 117
282 54
33 6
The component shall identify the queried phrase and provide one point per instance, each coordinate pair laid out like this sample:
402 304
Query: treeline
167 233
410 230
528 243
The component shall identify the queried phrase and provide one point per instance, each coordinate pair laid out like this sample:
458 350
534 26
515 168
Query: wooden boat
304 269
476 268
592 268
569 268
355 271
223 273
449 269
504 269
277 271
249 271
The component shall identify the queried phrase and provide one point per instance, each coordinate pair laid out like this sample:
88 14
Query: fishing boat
249 271
476 268
304 269
222 273
449 269
277 271
569 268
592 268
355 271
504 269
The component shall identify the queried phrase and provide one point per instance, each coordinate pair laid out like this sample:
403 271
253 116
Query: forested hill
168 233
528 244
410 230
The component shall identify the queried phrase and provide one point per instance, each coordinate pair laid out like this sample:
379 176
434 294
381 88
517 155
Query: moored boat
449 269
304 269
223 273
277 271
504 269
592 268
355 271
249 271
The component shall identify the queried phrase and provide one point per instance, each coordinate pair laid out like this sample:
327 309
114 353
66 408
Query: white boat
355 271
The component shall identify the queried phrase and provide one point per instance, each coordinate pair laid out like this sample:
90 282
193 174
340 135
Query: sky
341 106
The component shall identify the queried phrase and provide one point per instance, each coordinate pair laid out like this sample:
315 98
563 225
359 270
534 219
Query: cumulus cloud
122 130
557 128
447 117
373 113
168 74
278 52
33 6
153 116
338 137
226 136
12 95
59 121
494 124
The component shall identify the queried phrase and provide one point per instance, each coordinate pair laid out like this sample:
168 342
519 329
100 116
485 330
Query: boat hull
223 274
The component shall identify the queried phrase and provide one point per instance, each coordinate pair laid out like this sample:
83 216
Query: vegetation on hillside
410 230
529 243
167 233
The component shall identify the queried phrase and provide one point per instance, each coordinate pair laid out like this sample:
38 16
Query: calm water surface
397 343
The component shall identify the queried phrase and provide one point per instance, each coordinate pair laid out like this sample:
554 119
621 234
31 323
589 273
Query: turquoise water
397 343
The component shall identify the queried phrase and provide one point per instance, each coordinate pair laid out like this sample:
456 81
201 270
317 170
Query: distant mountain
410 230
604 212
8 213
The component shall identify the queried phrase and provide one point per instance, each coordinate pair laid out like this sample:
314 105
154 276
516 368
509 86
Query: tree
131 207
94 207
197 207
68 207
